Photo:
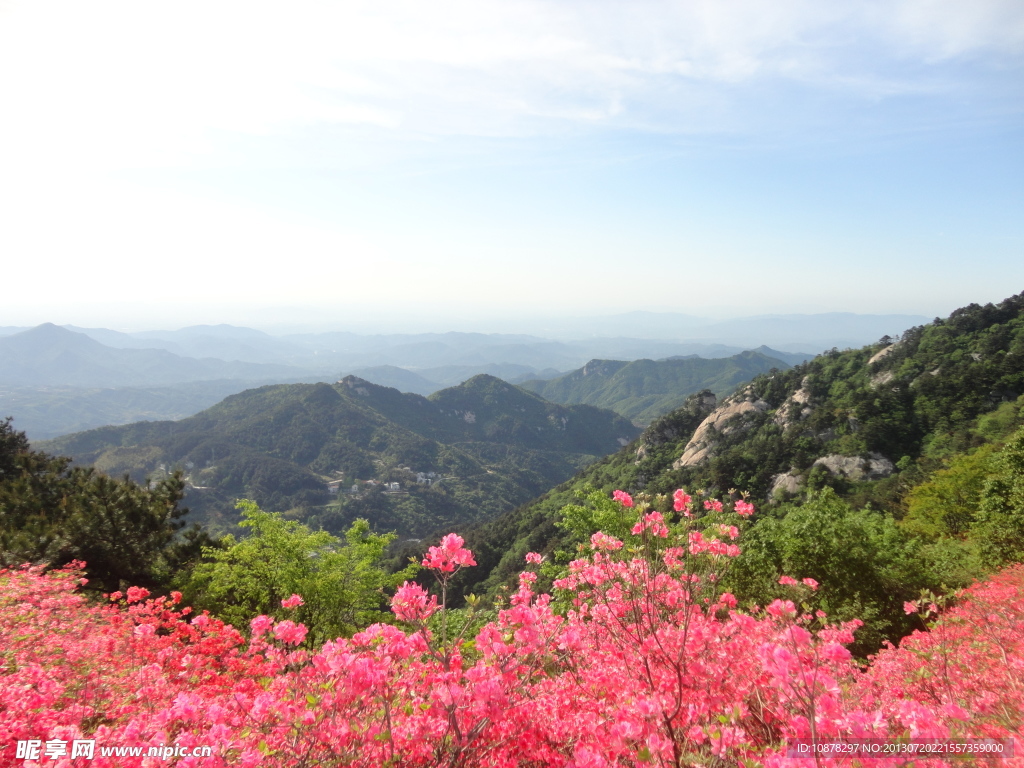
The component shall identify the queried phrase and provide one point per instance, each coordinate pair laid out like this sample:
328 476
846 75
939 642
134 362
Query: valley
490 446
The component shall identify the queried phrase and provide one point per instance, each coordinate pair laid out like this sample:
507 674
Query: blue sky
454 164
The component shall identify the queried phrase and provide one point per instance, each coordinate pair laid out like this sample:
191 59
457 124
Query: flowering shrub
651 665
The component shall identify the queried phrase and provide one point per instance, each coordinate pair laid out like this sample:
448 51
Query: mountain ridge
642 390
469 453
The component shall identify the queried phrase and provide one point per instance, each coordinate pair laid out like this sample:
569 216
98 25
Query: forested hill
331 453
872 423
643 390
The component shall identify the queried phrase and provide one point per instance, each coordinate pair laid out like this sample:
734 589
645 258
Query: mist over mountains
787 332
59 379
49 355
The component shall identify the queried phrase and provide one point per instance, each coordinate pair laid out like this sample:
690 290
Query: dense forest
328 455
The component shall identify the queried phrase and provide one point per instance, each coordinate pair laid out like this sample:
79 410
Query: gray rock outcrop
882 353
857 468
663 431
788 483
797 406
722 421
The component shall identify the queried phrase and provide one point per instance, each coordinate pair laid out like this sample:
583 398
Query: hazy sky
250 162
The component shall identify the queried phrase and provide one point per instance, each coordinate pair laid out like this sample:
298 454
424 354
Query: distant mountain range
562 345
791 332
55 380
643 390
52 356
465 454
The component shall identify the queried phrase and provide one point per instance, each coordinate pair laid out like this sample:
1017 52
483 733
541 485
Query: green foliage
947 503
598 512
1000 529
50 512
12 445
341 581
865 565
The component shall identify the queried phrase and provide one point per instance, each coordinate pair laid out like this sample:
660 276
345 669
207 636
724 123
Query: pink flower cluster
789 581
681 502
653 523
652 665
602 542
412 604
449 556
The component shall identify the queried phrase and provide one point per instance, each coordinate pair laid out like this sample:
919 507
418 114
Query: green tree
947 503
341 581
865 565
52 513
596 512
12 445
1000 528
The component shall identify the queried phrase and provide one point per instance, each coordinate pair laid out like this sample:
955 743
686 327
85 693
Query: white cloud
125 82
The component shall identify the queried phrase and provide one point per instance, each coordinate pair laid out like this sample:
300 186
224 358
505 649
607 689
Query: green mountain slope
870 423
465 454
642 390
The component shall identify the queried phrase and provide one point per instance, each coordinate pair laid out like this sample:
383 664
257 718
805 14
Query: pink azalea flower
292 602
534 558
653 522
290 632
602 541
744 508
682 502
410 603
260 625
835 652
780 608
449 555
623 498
